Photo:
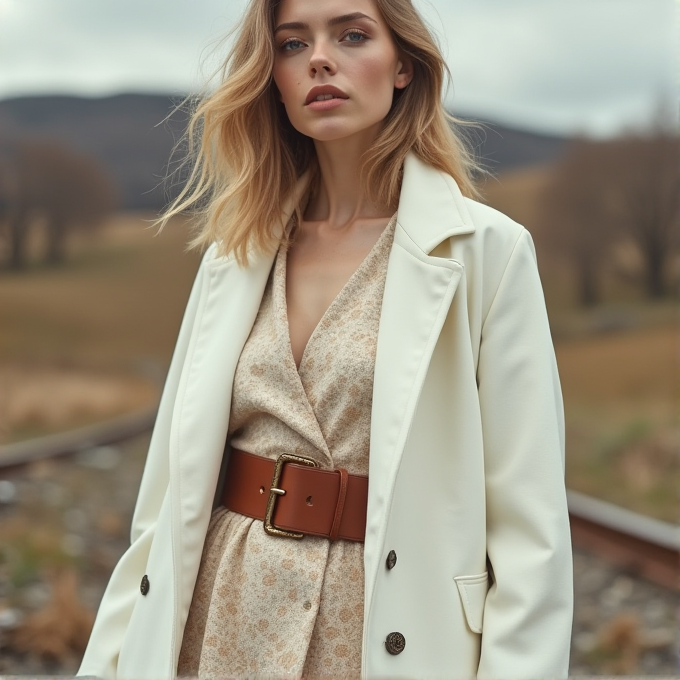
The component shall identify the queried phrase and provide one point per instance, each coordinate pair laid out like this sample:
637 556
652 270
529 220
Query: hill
132 136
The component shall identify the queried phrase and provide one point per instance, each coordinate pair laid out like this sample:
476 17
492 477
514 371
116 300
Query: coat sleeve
528 610
115 610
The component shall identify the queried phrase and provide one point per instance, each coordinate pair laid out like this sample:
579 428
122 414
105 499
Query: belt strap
329 503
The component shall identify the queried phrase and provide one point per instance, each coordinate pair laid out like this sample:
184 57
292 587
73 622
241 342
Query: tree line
600 195
603 194
42 181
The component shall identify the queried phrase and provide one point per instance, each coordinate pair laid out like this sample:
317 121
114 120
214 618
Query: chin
329 132
330 136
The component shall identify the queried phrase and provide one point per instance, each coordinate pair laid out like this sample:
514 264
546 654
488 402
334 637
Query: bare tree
76 195
69 191
14 193
646 201
580 227
604 192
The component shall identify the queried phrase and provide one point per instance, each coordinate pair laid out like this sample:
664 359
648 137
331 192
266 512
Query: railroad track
113 431
640 545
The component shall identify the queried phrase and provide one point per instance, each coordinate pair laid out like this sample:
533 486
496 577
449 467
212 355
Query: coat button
391 559
144 585
395 643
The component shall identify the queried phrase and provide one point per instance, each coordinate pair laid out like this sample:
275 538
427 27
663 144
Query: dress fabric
274 607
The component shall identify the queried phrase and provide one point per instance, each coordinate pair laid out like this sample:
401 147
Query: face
336 66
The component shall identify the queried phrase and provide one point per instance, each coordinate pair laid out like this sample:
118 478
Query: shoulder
214 260
211 254
494 246
490 242
494 232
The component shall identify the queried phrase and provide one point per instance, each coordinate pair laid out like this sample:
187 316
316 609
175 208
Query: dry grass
60 630
28 544
115 304
620 645
621 398
622 642
91 339
637 367
35 400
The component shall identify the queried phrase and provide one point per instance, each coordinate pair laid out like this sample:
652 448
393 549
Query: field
94 338
620 393
619 369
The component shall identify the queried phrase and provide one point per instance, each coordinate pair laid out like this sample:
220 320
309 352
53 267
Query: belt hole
309 500
261 489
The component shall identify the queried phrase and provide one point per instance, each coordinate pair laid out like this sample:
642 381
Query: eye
292 44
354 35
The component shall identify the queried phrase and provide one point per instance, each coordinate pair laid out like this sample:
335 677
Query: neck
340 198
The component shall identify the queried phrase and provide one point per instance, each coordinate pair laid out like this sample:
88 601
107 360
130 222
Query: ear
404 73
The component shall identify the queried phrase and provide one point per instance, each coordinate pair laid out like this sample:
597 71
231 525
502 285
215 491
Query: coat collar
431 206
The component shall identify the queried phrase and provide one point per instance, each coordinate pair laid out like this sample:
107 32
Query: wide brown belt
293 498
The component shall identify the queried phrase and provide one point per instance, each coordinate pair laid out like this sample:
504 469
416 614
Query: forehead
319 11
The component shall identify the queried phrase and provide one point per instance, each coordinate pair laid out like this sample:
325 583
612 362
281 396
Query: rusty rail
642 545
74 441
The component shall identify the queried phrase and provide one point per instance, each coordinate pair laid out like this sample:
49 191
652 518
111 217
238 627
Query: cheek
284 82
377 75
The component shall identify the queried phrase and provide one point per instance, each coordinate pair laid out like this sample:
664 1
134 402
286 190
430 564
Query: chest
319 265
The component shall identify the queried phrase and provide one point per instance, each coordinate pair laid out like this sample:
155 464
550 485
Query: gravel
73 515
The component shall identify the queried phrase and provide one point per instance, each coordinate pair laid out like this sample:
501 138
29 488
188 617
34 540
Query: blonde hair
249 158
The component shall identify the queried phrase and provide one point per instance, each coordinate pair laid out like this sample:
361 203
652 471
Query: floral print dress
274 607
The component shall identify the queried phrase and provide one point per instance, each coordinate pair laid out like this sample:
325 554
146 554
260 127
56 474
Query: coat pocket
472 590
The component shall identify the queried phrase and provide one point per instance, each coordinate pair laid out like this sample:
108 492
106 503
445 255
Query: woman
354 298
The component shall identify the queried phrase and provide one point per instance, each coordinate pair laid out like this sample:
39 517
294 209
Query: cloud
593 65
100 46
559 65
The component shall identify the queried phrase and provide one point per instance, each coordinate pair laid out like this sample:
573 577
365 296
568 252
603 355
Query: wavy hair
247 159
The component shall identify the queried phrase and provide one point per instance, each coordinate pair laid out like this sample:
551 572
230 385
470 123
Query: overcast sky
561 66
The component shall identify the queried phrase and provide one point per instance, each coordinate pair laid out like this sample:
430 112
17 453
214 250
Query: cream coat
467 459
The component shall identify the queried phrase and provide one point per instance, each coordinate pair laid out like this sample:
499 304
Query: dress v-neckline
334 302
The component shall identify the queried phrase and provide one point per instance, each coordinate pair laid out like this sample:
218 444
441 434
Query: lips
325 92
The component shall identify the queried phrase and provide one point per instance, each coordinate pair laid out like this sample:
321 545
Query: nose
321 61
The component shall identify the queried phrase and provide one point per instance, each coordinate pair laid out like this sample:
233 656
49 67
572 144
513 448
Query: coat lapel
418 292
229 303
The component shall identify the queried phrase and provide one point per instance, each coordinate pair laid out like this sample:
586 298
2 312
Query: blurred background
578 102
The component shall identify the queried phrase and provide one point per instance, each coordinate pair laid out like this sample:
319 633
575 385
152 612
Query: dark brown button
391 559
144 585
395 643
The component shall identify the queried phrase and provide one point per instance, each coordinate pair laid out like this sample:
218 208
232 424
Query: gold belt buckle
274 492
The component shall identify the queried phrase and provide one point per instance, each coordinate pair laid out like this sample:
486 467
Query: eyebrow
334 21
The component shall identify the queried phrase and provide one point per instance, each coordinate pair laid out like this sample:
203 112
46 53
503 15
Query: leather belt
295 497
